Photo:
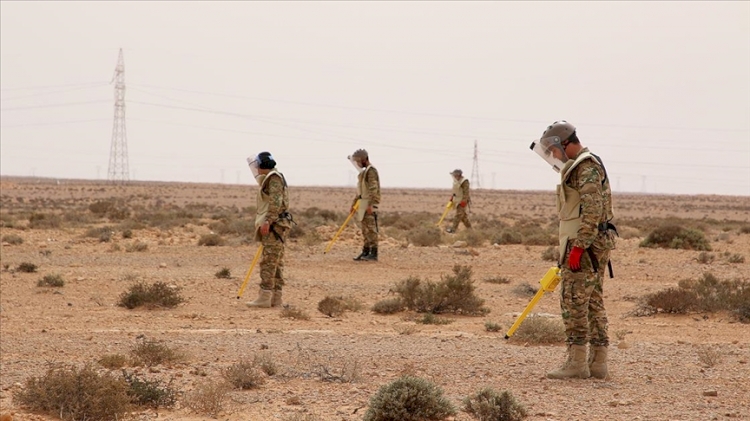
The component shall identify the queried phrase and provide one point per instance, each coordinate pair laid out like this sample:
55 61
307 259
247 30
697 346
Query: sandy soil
655 372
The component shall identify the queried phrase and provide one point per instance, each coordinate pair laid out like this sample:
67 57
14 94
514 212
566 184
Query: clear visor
357 163
551 150
254 164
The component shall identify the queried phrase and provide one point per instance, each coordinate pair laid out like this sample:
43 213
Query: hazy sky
661 91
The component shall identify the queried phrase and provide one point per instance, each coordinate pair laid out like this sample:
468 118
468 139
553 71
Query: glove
574 259
451 199
462 204
265 228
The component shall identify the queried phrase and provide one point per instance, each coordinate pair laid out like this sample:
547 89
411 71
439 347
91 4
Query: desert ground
330 367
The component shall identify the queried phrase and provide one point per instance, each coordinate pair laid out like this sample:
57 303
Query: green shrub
150 393
332 306
44 221
27 267
453 294
211 240
224 273
12 239
487 405
55 281
244 375
431 319
676 237
127 234
409 398
71 394
425 236
155 295
388 306
672 300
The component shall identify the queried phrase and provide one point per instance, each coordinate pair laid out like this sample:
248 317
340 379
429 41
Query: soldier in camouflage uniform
584 203
272 223
368 194
460 199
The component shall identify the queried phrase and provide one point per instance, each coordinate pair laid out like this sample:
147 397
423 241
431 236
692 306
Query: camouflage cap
457 172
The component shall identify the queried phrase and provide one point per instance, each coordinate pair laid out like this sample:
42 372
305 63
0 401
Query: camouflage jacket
589 179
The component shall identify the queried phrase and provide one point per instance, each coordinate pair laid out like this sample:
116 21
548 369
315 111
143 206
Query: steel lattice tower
118 153
475 168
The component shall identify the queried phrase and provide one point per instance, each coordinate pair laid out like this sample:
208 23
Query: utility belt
603 228
283 215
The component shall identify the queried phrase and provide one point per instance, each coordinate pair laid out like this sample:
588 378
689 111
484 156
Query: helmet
457 172
360 154
266 161
561 129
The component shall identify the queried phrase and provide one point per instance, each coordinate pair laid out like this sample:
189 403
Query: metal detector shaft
250 271
447 208
549 283
333 240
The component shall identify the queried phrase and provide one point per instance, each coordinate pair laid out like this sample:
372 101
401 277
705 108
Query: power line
31 88
53 92
64 104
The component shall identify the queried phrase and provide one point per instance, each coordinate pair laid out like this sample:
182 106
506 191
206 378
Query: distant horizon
550 191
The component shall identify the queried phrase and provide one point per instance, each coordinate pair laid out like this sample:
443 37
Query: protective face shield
551 150
254 164
356 162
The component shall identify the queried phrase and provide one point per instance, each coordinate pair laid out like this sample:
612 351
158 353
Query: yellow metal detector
448 207
549 283
249 271
333 240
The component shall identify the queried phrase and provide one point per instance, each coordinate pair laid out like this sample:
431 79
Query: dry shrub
473 237
244 375
453 294
233 226
736 258
499 280
53 281
136 246
551 254
671 300
12 239
208 398
150 353
291 312
425 236
406 221
745 229
224 273
104 234
488 405
302 417
113 361
337 370
266 363
525 290
710 356
388 306
409 398
44 221
490 326
705 258
507 236
336 306
714 294
211 240
676 237
431 319
26 267
151 393
540 330
155 295
71 393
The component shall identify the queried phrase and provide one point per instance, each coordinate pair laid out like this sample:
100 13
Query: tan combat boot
576 365
263 300
276 299
598 362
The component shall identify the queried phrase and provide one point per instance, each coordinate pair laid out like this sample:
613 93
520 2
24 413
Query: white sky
661 91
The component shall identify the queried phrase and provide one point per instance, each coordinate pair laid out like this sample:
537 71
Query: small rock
623 345
710 393
80 278
162 265
70 304
459 244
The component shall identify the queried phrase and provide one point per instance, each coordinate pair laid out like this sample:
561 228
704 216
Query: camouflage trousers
461 216
582 301
369 231
272 260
